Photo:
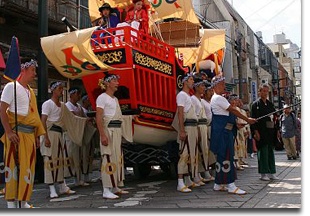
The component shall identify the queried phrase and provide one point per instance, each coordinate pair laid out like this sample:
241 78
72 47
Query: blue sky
272 17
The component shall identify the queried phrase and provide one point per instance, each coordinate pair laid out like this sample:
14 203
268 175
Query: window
84 18
276 54
297 69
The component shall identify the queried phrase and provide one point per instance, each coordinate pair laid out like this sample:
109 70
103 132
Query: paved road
157 191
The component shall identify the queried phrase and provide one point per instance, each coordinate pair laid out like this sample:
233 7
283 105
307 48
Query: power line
259 9
276 14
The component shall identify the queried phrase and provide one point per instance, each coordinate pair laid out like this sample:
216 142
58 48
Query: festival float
150 67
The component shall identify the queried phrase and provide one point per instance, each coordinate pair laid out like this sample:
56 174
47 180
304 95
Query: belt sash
56 128
115 124
24 128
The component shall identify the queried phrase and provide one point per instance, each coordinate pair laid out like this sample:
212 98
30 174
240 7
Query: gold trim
136 119
153 63
150 110
107 167
111 57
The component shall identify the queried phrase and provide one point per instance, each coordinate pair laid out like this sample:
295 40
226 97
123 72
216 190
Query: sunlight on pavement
61 199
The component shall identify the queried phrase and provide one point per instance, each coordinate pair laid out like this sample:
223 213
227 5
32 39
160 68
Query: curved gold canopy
72 55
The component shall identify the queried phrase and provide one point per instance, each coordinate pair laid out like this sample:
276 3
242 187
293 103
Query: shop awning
2 64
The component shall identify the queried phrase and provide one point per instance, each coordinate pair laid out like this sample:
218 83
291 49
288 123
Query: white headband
198 83
85 97
233 97
188 75
28 64
218 80
73 91
208 84
55 85
109 78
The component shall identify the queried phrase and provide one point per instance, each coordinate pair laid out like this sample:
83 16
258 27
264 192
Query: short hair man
19 188
185 122
53 142
222 137
73 149
264 134
109 121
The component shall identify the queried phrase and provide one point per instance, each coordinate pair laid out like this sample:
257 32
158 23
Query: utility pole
43 64
239 62
42 76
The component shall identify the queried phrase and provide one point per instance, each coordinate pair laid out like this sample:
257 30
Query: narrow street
157 191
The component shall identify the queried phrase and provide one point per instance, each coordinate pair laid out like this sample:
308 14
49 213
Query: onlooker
298 135
278 143
264 134
288 128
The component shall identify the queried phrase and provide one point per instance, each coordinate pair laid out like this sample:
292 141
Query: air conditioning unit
264 81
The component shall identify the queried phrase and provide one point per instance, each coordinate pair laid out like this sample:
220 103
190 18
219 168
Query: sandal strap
184 188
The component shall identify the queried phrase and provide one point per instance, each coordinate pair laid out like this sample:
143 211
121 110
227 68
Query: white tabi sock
53 193
12 204
207 174
108 194
188 181
197 179
181 183
24 204
231 186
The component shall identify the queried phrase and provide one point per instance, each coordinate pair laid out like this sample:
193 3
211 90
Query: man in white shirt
203 149
53 142
20 144
88 146
207 106
222 137
73 150
109 121
185 122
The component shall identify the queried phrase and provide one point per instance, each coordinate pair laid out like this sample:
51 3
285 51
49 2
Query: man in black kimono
264 135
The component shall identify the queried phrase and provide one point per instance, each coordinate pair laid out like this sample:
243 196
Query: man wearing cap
185 123
264 134
53 142
207 107
109 121
108 19
288 128
25 140
222 138
72 150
